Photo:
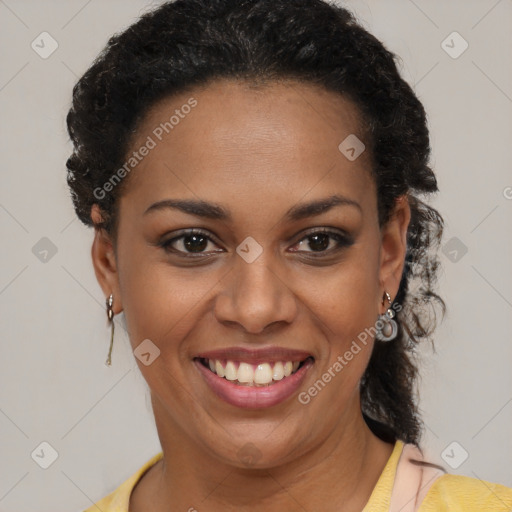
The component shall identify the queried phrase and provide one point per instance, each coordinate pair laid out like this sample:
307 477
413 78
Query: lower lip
254 397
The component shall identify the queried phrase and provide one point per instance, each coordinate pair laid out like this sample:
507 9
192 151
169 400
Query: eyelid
328 230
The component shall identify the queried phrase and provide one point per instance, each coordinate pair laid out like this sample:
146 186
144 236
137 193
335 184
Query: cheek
343 298
345 311
344 314
160 301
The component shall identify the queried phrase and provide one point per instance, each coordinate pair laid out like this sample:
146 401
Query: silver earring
386 327
110 316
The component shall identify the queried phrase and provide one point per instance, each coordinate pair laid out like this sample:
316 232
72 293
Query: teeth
219 370
231 373
247 374
278 371
263 374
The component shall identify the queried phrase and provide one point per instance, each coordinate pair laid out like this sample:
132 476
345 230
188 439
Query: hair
185 44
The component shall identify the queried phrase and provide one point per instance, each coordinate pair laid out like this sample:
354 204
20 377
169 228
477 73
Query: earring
387 328
110 316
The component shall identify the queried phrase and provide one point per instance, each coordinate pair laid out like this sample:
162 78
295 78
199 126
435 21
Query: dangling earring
110 316
387 328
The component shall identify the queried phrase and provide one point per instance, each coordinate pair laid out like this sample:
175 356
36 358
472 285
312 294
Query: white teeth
247 374
278 371
263 374
231 373
219 370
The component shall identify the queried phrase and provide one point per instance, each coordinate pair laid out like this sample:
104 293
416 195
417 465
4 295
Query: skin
232 145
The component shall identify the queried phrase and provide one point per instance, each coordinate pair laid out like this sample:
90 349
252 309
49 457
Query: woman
252 172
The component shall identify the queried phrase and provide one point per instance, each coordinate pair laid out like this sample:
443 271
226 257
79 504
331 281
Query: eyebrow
213 211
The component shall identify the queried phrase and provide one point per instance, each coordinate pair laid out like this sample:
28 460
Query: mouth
262 374
254 379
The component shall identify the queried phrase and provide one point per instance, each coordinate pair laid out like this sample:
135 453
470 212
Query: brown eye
319 242
322 242
189 243
195 243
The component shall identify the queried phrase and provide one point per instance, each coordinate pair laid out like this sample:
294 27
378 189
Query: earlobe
104 261
394 246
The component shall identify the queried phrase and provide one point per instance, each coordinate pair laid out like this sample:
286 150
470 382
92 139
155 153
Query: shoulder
119 500
457 493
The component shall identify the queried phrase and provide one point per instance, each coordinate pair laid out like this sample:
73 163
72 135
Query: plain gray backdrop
97 421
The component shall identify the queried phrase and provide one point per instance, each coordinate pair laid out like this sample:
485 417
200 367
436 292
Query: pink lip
253 397
256 356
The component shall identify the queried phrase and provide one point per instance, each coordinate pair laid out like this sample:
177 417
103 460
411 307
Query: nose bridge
256 279
256 295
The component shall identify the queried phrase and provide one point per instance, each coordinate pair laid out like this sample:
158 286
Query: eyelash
340 239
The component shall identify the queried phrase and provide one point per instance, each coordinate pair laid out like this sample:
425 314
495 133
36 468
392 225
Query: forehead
231 137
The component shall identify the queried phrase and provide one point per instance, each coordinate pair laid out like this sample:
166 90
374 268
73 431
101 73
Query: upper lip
260 355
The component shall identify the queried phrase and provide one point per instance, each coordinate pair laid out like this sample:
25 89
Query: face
285 263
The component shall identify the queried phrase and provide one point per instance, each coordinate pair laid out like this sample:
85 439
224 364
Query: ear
104 261
394 247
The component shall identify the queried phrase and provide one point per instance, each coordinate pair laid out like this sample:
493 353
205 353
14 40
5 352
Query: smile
247 374
253 385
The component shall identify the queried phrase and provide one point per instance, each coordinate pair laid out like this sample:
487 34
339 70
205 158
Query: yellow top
451 493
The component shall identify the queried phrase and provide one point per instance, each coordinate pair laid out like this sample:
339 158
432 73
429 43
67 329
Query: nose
255 296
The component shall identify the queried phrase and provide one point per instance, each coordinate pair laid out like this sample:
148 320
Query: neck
337 474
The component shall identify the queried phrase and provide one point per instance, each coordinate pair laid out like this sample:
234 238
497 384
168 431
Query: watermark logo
44 455
454 249
351 147
44 250
146 352
249 249
454 455
249 454
44 45
454 45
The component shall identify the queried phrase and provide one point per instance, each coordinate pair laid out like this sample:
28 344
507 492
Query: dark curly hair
189 43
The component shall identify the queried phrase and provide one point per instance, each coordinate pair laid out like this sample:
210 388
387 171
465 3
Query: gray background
55 386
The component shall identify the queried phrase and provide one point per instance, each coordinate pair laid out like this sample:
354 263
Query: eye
195 242
191 242
323 241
